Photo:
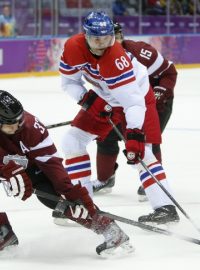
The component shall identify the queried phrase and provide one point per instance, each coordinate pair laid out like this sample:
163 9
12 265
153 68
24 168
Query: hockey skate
61 220
104 186
7 237
116 242
141 194
162 215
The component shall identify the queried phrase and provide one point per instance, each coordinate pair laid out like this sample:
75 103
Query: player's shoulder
75 50
75 41
137 45
29 119
114 53
117 59
116 49
32 123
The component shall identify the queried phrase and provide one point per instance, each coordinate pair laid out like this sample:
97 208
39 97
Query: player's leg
116 241
77 159
164 116
164 210
107 152
106 165
7 235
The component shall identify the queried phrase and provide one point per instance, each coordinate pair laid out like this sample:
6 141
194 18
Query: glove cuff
135 134
88 99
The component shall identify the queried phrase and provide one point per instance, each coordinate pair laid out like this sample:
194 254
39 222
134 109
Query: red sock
4 219
105 166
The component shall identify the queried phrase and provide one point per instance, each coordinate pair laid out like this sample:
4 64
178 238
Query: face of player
98 44
10 129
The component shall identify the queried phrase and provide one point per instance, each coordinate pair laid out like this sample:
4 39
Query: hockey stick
58 124
155 179
65 203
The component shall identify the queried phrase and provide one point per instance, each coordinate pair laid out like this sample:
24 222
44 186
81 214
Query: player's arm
71 76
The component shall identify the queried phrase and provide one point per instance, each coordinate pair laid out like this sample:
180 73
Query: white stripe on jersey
47 157
158 62
45 143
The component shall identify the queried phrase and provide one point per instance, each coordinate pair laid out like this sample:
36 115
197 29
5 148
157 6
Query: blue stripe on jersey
78 167
120 78
65 66
92 70
154 170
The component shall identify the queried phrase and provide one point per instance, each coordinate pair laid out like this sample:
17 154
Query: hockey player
7 236
162 75
29 159
120 83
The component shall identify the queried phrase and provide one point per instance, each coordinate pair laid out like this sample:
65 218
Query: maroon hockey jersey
161 71
33 142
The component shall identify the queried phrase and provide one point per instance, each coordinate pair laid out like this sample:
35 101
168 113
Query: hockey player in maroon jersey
29 159
162 75
121 84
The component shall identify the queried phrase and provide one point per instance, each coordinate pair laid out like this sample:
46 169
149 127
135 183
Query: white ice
46 246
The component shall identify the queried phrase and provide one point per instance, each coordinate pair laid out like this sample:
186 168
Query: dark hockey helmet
119 36
98 24
11 110
117 28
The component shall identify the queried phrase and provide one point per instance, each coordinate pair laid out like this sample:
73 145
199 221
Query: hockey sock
79 170
105 166
4 219
155 194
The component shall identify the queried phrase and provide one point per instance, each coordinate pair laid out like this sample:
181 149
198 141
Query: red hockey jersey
116 76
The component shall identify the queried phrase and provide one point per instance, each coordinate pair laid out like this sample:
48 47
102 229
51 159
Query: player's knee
75 142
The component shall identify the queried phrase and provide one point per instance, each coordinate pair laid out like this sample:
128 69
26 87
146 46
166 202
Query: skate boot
162 215
116 242
61 220
141 194
104 186
7 237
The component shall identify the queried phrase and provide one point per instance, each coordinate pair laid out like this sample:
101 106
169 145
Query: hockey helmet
11 110
117 28
98 24
118 32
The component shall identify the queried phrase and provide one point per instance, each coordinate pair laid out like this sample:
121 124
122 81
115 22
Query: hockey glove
94 104
135 145
83 202
20 184
162 94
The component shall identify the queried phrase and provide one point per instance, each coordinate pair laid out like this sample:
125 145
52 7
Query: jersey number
145 54
38 126
121 63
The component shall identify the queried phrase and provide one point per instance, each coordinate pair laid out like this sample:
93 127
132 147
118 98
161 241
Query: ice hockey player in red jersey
121 84
162 75
29 159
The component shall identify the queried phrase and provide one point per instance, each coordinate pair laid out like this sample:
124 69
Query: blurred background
33 31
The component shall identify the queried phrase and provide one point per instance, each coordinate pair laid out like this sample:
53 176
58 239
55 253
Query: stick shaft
58 124
119 218
156 180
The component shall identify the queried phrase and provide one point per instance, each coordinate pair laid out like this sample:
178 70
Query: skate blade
103 191
65 222
142 198
123 250
9 252
163 226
